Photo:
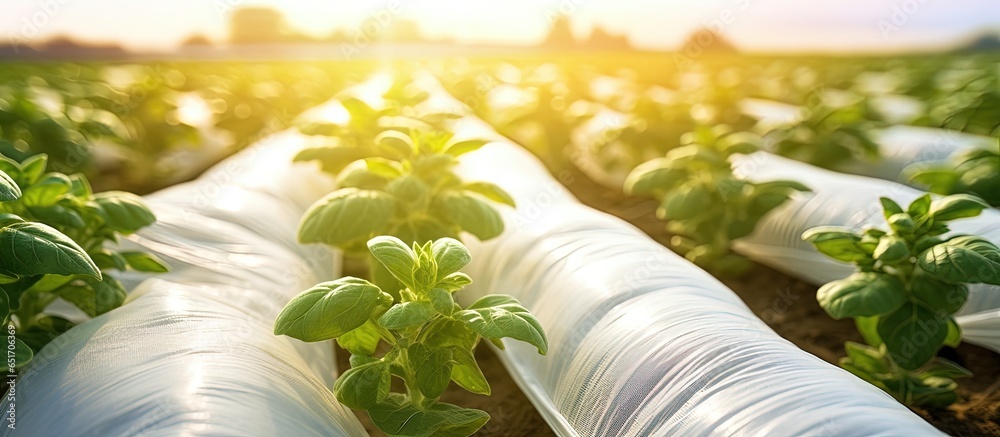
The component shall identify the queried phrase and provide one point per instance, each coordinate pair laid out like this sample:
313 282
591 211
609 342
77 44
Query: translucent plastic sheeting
642 342
192 352
845 200
900 146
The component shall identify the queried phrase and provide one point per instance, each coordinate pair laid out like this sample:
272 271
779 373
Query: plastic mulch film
845 200
900 146
642 342
192 352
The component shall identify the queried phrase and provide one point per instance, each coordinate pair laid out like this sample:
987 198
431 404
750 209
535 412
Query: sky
753 25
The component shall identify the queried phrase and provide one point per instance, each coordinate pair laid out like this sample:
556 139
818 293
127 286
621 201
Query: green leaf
862 294
890 207
397 417
954 337
866 358
332 159
937 294
444 332
58 216
654 178
963 259
364 386
407 314
498 316
395 256
684 202
450 256
901 223
145 262
347 215
868 327
473 215
106 259
920 207
124 212
47 191
957 206
463 147
22 353
80 186
410 190
941 181
432 367
384 167
913 334
363 340
425 276
32 169
466 372
330 309
8 188
16 288
81 295
942 368
490 191
454 282
891 249
108 294
28 249
442 301
395 143
836 242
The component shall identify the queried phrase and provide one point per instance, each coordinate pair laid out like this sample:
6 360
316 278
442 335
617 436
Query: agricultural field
541 244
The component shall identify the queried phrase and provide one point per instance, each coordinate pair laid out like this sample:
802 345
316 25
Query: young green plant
429 339
52 246
707 206
409 190
828 137
909 282
975 172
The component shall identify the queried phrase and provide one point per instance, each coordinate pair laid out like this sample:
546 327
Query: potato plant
827 137
705 205
975 172
429 339
405 188
52 246
910 280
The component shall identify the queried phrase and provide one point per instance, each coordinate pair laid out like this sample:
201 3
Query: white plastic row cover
192 353
642 342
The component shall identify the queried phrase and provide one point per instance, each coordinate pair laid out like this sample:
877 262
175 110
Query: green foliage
52 235
828 136
707 206
975 172
909 282
428 339
400 184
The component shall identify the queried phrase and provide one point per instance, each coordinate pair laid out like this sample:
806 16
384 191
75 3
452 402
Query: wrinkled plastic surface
192 352
642 342
900 146
845 200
